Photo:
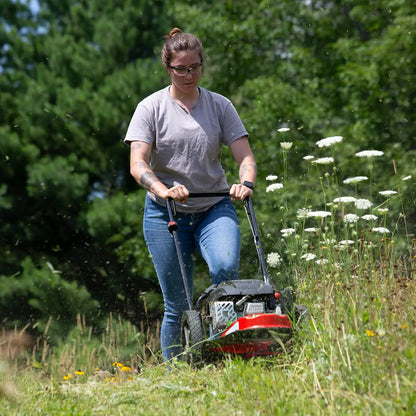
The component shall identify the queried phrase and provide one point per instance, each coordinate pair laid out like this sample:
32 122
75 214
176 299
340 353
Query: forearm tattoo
147 179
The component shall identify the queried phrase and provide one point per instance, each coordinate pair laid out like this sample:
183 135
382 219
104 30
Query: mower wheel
192 337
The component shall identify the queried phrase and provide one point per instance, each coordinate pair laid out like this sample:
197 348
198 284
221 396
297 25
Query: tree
321 69
69 90
72 73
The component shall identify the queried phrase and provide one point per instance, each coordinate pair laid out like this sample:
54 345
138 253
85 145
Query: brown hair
177 41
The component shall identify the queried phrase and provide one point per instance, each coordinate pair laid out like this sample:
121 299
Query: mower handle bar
248 207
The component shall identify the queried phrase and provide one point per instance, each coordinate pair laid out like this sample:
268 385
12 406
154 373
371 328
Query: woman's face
187 72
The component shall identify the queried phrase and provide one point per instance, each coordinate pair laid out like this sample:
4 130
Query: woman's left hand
239 191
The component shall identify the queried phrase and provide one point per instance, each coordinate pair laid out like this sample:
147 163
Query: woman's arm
243 155
140 170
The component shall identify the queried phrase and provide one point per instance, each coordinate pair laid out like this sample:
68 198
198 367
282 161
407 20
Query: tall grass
351 257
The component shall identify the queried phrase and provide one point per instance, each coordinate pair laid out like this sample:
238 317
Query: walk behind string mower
246 317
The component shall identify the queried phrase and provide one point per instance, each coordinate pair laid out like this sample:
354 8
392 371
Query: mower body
245 317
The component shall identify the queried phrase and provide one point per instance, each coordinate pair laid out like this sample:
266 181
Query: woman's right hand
178 192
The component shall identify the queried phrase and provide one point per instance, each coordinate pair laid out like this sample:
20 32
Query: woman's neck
185 99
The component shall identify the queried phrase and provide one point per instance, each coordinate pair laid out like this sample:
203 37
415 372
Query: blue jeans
215 234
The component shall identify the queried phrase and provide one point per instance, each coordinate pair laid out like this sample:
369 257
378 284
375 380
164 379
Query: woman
175 136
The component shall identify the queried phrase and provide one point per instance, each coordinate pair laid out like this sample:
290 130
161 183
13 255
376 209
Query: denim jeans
215 234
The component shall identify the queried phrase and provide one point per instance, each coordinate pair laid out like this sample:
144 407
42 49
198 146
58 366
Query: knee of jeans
174 311
222 273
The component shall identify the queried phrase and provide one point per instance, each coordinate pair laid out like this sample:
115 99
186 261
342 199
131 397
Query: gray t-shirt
187 147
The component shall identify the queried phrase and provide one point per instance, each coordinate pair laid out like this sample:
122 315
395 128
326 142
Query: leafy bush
40 295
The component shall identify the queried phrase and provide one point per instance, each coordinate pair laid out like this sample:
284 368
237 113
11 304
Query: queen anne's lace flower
355 179
308 256
287 231
346 242
274 186
369 153
345 199
381 230
406 178
324 160
286 145
303 213
310 230
271 177
329 141
351 218
363 203
274 259
319 214
369 217
308 157
388 193
283 129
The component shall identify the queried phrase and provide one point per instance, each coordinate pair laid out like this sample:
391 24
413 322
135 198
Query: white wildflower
329 141
355 179
351 218
321 261
319 214
324 160
311 230
274 186
369 217
271 177
363 203
286 145
383 210
345 199
388 193
369 153
381 230
346 242
406 178
308 256
274 259
303 213
381 332
287 231
308 157
283 129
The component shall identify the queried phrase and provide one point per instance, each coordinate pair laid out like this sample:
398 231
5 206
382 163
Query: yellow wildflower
125 368
117 364
67 377
112 379
79 373
369 332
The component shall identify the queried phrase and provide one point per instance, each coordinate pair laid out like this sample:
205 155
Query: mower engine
234 299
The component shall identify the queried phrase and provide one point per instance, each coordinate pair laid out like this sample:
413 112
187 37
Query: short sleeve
142 126
232 126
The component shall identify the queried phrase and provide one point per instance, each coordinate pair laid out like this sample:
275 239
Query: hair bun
173 32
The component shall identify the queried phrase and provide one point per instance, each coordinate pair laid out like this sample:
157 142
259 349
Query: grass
355 355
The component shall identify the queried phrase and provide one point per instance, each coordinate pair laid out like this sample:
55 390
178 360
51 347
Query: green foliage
48 178
117 223
68 90
42 296
72 74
